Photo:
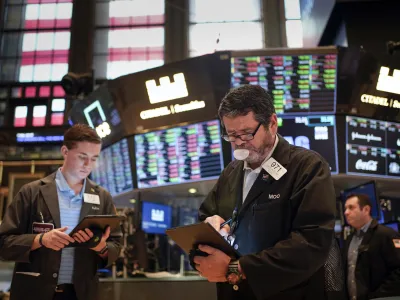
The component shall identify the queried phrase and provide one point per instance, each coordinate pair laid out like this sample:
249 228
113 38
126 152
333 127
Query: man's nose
239 142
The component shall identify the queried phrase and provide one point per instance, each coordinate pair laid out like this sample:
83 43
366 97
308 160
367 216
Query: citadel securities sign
386 83
186 91
168 91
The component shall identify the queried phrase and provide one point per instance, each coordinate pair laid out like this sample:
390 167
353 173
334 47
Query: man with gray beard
281 203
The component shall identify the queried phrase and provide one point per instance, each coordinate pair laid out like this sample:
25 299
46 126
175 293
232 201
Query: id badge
38 227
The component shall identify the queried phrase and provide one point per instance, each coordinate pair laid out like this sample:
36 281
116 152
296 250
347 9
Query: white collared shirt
251 175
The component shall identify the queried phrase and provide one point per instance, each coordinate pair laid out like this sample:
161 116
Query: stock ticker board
179 154
372 147
113 169
297 83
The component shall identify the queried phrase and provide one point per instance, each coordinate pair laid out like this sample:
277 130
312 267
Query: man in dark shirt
372 253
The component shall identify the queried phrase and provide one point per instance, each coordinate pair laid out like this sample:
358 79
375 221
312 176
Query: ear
367 209
64 150
273 123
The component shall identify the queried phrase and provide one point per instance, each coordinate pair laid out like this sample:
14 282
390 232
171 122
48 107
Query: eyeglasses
244 137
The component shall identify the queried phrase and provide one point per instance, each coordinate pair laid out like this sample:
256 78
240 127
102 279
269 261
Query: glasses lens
246 137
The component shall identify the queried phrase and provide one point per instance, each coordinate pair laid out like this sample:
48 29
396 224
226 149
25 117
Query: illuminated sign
370 165
172 109
157 215
91 107
30 137
167 90
104 128
387 83
381 101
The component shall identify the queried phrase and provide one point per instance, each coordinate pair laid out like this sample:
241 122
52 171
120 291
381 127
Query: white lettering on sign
374 100
371 165
299 141
167 90
172 109
394 168
387 83
368 137
155 112
321 133
103 130
189 106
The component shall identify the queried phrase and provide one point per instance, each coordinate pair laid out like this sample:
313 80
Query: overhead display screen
297 83
156 218
372 147
113 169
317 133
178 155
99 112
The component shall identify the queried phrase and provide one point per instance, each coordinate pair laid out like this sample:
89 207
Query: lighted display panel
372 147
317 133
180 154
297 83
113 169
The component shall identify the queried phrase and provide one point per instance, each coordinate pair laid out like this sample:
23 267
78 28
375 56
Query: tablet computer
190 236
98 221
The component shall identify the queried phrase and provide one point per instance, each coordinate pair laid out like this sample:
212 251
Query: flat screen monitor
156 218
298 83
178 155
113 169
368 189
372 147
187 216
98 110
317 133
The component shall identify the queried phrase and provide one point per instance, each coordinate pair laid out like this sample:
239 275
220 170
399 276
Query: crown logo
167 90
387 83
157 215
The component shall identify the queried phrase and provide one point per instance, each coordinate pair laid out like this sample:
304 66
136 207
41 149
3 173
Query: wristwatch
233 276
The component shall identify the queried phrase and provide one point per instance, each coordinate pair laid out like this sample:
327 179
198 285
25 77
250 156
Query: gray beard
256 157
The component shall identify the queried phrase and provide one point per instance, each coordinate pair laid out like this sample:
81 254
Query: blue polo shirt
70 209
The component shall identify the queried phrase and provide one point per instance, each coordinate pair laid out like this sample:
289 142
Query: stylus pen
226 222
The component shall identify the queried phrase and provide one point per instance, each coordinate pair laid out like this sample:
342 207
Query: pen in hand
225 223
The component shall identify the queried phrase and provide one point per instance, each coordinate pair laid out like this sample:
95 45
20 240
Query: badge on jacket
38 227
91 198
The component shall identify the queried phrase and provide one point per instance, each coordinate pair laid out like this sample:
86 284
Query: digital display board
372 147
33 137
297 83
113 169
178 155
317 133
187 216
156 218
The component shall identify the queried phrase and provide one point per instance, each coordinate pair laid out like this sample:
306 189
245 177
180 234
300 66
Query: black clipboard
98 221
190 236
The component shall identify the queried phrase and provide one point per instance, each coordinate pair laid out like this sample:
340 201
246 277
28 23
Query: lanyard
234 219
